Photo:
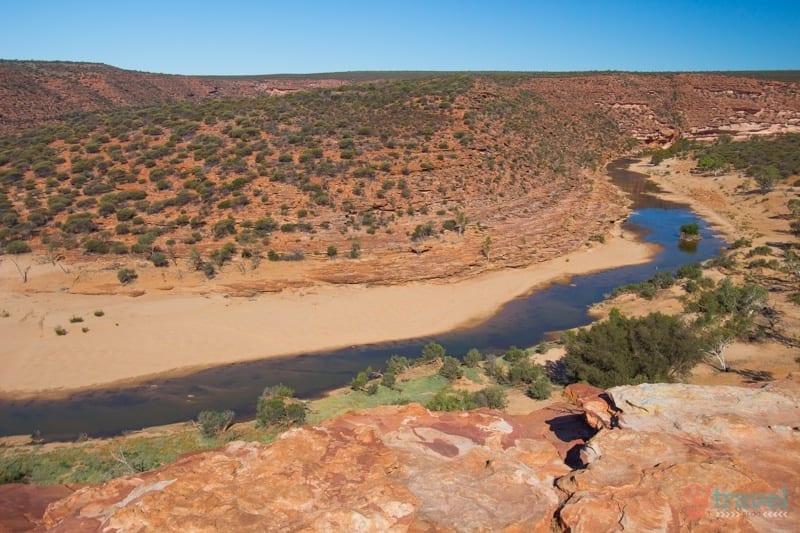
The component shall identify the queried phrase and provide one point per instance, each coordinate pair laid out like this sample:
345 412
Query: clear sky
252 37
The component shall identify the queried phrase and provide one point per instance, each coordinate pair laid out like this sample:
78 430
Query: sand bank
161 333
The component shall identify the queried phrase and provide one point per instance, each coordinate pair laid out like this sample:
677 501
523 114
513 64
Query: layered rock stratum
675 458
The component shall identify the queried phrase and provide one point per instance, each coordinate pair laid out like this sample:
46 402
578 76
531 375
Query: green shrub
689 271
212 423
742 242
433 351
422 231
17 247
389 379
224 254
360 381
208 269
514 354
691 229
623 351
397 364
541 389
226 226
74 319
491 397
126 275
159 259
524 371
473 358
60 331
451 369
277 407
125 214
663 280
99 313
332 251
449 400
80 223
96 246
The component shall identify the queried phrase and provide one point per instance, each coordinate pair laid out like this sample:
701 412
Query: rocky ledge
666 457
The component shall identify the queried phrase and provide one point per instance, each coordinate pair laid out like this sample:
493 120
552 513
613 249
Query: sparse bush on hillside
17 247
126 275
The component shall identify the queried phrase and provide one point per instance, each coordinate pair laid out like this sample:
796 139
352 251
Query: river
522 322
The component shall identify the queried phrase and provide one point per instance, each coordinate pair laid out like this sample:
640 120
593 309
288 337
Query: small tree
514 354
212 423
473 358
541 389
716 344
360 381
17 247
433 351
767 177
332 251
159 259
451 369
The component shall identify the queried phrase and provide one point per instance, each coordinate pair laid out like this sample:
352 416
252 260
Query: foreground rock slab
386 469
693 458
676 458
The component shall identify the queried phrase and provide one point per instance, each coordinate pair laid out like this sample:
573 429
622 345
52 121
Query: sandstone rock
594 402
22 506
686 456
387 469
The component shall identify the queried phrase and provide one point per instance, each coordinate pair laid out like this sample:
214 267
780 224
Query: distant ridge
35 92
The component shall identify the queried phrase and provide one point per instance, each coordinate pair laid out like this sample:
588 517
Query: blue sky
250 37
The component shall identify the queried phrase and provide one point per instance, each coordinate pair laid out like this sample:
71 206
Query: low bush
277 407
212 423
126 275
451 369
433 351
17 247
473 358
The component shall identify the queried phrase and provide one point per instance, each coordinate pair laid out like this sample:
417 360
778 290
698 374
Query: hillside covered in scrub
376 181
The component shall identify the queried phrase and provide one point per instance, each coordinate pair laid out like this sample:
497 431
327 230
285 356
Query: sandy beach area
167 331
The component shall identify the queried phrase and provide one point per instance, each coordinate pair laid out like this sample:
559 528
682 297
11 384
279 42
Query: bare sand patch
178 331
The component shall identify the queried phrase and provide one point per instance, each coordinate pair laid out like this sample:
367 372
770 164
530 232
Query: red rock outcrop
693 458
683 458
387 469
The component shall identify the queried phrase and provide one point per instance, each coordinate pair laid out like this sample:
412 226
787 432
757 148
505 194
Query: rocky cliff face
667 458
